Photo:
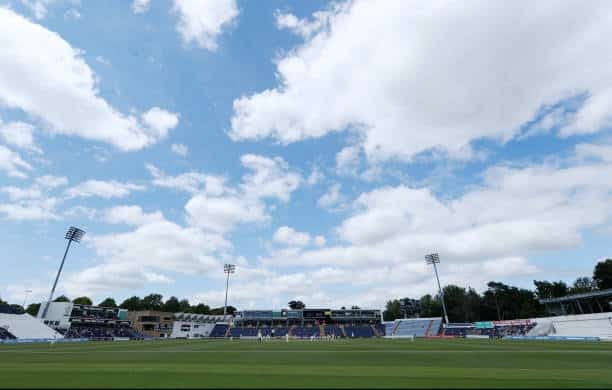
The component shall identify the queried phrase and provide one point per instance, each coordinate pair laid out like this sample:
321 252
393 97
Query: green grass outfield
366 363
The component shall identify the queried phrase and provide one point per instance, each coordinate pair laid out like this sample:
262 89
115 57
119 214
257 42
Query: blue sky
322 147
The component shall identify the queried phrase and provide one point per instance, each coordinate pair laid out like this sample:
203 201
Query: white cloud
191 182
319 241
30 209
269 178
102 189
160 121
289 236
131 215
51 181
347 160
331 198
46 77
20 135
180 149
396 72
221 214
202 21
38 7
12 164
18 193
304 27
144 255
315 176
140 6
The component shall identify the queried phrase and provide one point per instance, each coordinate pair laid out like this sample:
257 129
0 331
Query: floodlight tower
228 269
25 297
434 259
73 234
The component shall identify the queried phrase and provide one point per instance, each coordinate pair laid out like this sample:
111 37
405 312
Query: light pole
228 269
25 297
73 234
434 259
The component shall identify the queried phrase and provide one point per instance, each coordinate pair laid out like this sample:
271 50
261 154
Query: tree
132 304
82 301
184 306
602 274
152 302
219 310
33 309
200 308
583 284
108 302
431 306
392 310
296 305
546 289
61 298
172 305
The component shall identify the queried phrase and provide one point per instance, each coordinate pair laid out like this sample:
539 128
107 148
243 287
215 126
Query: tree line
501 301
154 302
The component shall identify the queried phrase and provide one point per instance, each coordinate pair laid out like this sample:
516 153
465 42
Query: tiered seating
278 331
306 331
219 330
333 330
359 331
381 328
243 331
24 326
434 328
413 327
93 332
6 335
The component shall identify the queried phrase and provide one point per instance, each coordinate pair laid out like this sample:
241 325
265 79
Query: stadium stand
6 335
219 330
417 327
24 326
359 331
305 331
580 325
333 330
98 332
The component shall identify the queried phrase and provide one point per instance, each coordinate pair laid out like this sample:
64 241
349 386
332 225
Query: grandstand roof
574 297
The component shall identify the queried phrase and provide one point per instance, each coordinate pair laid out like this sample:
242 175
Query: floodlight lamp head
433 258
74 234
229 268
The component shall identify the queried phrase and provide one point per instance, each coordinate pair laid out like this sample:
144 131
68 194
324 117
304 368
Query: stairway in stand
343 330
290 331
322 330
227 332
429 328
376 332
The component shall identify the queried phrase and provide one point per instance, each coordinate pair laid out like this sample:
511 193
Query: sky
322 147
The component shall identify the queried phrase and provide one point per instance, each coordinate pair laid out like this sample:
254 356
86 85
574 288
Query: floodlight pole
73 234
25 297
228 269
434 259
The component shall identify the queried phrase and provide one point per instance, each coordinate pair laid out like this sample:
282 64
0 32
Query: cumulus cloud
202 21
12 163
191 182
102 189
147 254
434 76
131 215
180 149
267 179
288 236
46 77
140 6
332 198
20 135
